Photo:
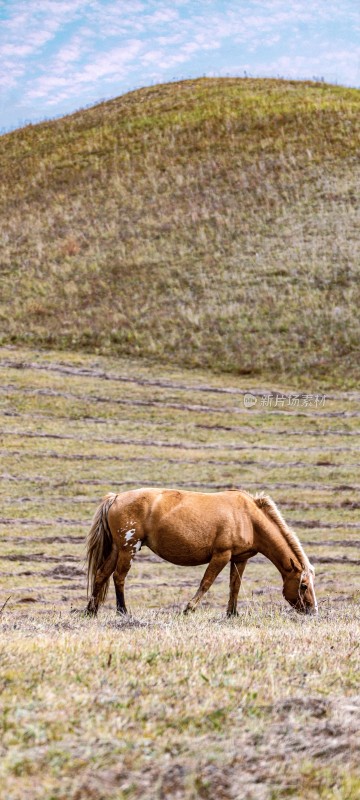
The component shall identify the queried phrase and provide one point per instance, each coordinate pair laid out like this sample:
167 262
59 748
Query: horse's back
162 501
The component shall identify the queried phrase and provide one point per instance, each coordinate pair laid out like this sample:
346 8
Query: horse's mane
267 505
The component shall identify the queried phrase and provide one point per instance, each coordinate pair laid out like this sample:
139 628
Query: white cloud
111 63
339 67
162 16
105 66
70 53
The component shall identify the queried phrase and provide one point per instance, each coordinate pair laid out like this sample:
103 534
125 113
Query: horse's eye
303 587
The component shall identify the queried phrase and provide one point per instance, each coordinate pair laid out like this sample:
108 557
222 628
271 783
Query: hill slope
208 223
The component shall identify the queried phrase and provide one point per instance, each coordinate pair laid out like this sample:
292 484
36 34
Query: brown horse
190 528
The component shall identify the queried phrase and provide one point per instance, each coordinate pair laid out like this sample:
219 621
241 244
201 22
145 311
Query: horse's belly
185 560
181 550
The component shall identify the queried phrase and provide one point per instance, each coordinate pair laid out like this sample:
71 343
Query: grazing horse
191 528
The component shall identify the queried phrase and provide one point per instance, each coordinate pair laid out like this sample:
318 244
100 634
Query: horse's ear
293 565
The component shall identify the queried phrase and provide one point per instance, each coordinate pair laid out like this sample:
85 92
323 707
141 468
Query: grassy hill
208 223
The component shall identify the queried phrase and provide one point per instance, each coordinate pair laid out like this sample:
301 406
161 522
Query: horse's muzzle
302 608
311 610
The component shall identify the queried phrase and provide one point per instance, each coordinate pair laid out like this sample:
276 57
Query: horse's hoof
121 612
89 612
230 614
189 610
83 612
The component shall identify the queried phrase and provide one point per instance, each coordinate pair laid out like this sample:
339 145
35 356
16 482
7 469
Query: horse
193 528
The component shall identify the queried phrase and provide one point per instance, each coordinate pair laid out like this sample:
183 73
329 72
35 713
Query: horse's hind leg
122 569
236 573
101 577
217 563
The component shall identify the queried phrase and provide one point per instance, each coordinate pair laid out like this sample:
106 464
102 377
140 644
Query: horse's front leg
236 573
217 563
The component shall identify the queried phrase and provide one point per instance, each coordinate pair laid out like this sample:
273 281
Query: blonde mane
267 505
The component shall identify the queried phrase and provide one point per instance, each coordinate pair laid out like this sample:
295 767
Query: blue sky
60 55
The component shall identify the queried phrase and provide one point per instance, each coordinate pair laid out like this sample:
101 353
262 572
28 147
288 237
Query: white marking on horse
129 534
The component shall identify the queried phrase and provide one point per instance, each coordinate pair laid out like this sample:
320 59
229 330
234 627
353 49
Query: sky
57 56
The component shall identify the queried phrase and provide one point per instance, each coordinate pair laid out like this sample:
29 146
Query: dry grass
161 706
209 223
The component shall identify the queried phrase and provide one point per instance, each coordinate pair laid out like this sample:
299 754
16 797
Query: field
159 705
224 208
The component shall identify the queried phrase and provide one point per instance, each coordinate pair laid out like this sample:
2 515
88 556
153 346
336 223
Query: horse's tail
99 544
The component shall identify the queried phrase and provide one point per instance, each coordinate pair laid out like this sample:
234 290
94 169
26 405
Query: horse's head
299 590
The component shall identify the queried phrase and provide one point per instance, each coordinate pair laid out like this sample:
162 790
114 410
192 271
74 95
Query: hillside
207 223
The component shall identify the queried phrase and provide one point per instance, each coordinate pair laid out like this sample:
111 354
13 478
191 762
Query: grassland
209 223
159 705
